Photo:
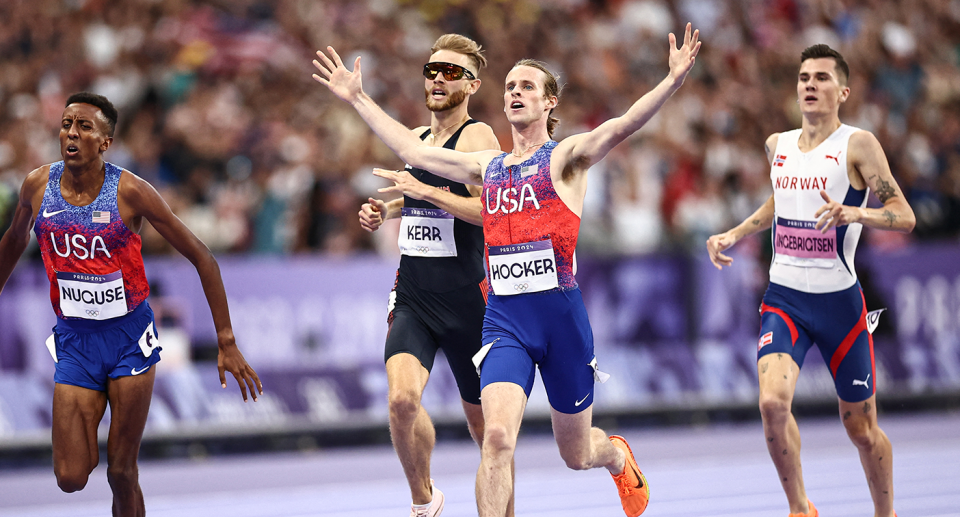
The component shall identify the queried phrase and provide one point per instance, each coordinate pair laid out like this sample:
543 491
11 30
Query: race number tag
426 232
92 297
800 243
530 267
149 341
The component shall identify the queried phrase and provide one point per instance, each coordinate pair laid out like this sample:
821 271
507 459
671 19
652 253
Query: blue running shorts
792 321
549 330
89 352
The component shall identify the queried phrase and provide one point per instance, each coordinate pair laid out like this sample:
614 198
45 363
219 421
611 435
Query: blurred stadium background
219 112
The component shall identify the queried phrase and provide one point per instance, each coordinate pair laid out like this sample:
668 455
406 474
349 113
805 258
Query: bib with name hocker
529 267
426 232
92 297
801 244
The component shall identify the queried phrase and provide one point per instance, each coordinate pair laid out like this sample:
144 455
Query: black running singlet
442 274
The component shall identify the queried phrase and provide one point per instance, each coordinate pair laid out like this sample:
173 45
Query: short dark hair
106 107
821 50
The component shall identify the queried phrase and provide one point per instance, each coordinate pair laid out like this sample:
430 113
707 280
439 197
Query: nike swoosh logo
639 477
51 214
133 371
577 403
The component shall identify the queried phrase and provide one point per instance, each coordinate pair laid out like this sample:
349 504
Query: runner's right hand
719 243
371 214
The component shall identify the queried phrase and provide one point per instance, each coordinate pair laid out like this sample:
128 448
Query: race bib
92 297
426 232
523 268
800 243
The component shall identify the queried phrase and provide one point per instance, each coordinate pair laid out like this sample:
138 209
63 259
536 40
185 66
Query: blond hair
461 45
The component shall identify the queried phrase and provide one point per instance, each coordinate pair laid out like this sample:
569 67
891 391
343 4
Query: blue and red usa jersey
521 205
89 241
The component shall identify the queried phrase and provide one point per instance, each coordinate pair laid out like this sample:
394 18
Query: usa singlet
530 232
92 259
439 253
804 258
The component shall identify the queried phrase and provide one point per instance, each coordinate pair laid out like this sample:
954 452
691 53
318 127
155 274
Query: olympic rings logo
521 287
423 249
93 313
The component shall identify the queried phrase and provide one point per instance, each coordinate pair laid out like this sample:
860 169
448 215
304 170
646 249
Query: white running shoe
436 506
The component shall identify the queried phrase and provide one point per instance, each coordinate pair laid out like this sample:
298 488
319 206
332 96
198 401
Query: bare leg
129 404
778 379
584 447
503 404
474 413
876 453
411 430
76 415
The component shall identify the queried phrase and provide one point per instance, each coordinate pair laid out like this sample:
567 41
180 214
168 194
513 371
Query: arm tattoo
890 217
885 190
756 222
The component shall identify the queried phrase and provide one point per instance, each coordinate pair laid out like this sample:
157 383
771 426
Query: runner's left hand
229 359
834 214
682 59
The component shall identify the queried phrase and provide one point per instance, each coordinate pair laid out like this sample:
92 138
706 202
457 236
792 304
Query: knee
862 433
498 441
404 405
773 407
121 476
71 480
576 460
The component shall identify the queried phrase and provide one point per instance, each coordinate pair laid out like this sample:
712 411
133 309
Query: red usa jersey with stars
92 259
524 218
804 258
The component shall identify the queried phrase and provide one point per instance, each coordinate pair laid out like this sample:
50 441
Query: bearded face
438 99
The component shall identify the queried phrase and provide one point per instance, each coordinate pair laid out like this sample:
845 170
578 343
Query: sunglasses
450 71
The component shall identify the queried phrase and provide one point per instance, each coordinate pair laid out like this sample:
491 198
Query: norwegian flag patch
101 217
765 340
779 160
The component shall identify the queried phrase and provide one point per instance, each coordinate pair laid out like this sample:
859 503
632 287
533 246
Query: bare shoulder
478 137
419 130
31 191
771 145
863 144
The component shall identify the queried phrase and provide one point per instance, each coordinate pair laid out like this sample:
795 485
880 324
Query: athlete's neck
528 138
445 123
815 129
81 185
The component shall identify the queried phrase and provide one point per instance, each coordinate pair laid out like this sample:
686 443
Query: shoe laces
623 484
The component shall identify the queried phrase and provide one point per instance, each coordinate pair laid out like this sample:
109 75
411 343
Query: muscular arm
138 199
454 165
758 221
17 237
589 148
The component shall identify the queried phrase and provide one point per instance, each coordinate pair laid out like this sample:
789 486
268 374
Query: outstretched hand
403 183
682 59
229 359
343 83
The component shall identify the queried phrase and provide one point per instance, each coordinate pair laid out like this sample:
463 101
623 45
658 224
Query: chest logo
77 246
835 158
47 215
508 201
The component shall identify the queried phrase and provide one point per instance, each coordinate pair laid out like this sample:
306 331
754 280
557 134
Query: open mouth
72 150
438 93
515 105
810 98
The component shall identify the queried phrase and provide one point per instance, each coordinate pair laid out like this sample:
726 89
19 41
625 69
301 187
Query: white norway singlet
804 258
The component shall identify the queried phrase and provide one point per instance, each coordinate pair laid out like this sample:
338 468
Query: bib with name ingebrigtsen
805 258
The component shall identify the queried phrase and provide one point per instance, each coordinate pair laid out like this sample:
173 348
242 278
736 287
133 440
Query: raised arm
589 148
758 221
347 85
867 158
140 200
17 236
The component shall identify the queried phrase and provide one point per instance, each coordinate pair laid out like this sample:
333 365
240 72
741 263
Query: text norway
91 297
522 269
792 242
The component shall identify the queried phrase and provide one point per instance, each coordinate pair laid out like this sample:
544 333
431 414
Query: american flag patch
101 217
779 161
765 340
529 170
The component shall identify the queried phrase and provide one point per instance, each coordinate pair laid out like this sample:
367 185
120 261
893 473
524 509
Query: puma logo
863 382
835 158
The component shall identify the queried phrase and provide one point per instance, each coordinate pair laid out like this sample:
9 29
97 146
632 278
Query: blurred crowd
218 109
